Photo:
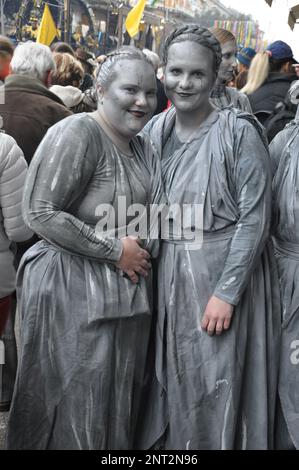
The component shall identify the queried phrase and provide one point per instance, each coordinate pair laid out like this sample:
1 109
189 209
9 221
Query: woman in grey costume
83 294
213 391
223 96
284 155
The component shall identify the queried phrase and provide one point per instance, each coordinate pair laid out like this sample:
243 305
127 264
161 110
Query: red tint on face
4 67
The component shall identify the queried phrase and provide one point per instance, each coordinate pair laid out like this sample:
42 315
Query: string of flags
247 33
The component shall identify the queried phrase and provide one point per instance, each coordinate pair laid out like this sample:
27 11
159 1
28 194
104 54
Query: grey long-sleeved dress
216 392
84 326
284 154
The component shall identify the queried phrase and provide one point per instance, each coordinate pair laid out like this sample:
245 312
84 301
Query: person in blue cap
244 58
269 79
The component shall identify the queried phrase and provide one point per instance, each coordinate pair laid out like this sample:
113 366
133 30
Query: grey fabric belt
208 237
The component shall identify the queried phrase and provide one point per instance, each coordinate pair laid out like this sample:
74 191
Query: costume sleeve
278 145
283 149
157 198
58 175
252 179
244 103
150 126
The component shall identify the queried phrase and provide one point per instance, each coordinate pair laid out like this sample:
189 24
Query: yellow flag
47 30
134 17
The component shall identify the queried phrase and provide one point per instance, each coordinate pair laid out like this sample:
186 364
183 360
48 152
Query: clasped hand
134 260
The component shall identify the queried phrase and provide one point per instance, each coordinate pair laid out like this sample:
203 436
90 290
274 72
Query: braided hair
198 34
106 73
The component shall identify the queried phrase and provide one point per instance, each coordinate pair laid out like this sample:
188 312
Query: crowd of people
176 329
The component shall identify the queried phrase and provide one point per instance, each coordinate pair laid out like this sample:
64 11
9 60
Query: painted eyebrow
132 85
191 71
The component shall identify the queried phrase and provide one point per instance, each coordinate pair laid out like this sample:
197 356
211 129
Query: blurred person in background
161 96
296 68
244 58
222 95
6 54
66 80
269 78
13 170
63 48
89 65
28 111
30 108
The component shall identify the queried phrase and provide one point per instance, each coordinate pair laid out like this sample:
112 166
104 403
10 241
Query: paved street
3 424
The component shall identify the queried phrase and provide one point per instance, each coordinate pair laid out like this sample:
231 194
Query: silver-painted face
228 63
189 75
130 100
